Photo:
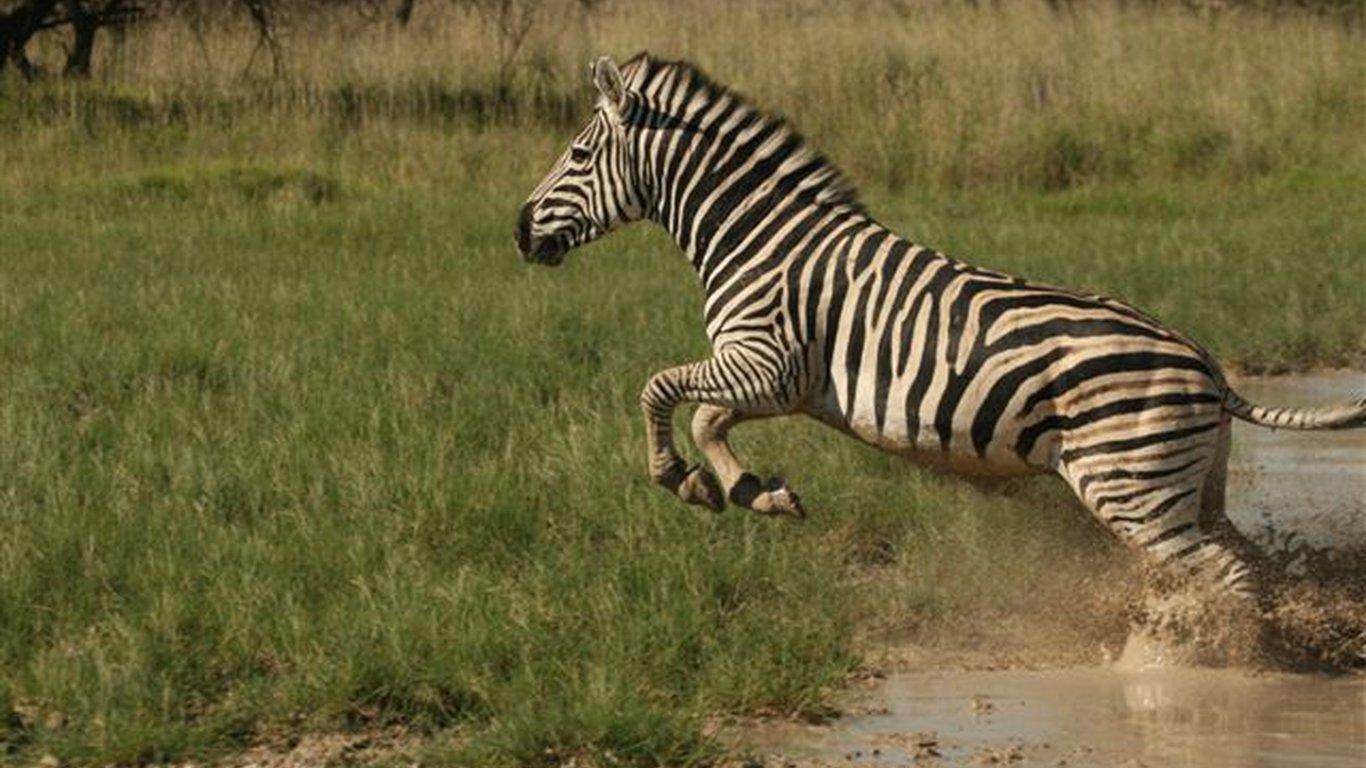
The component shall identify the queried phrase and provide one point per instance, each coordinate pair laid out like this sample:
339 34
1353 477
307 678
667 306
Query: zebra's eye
580 154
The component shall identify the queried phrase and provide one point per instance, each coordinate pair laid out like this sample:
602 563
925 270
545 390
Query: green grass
312 447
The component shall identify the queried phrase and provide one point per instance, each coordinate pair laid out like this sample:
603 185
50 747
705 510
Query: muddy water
1312 484
1309 483
1094 717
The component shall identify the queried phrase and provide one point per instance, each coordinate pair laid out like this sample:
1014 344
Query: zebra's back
983 373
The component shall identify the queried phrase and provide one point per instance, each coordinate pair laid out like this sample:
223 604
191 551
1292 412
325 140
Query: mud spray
1302 499
1313 619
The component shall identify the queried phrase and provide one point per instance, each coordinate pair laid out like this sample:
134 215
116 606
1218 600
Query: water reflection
1218 718
1097 717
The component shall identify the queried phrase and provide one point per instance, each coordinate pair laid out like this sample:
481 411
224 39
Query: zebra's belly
923 445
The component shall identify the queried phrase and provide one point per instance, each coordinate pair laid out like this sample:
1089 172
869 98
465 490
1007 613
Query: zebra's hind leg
1166 499
710 426
1247 575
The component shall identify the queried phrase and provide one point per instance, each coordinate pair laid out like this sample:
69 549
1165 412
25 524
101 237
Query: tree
86 19
262 13
19 22
513 20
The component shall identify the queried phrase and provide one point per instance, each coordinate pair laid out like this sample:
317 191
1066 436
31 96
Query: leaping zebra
813 307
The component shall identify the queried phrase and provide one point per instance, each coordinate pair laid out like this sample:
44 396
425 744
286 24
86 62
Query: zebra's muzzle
545 250
549 251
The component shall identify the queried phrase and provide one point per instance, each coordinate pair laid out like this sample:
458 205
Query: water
1310 483
1095 717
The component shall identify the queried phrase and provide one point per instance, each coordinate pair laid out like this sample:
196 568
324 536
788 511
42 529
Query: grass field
290 438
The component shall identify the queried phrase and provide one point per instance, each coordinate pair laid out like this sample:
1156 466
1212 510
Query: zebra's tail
1340 416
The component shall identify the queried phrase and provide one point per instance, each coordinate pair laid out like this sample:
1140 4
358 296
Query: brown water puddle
1311 484
1092 717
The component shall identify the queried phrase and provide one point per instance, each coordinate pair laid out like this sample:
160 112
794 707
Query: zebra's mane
643 69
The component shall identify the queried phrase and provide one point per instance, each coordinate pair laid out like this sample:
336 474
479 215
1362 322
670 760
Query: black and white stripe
814 307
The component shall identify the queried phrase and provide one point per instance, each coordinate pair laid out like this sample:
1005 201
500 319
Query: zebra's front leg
736 381
710 425
694 484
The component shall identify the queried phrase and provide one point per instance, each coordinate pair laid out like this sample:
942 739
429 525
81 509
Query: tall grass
290 440
940 93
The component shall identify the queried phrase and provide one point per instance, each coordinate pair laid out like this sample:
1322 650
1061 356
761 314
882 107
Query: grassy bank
290 439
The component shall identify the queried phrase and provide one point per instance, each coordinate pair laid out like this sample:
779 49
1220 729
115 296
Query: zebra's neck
734 186
734 216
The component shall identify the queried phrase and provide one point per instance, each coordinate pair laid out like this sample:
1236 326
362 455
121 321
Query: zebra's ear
610 84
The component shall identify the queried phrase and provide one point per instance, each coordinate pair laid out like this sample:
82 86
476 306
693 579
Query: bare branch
263 19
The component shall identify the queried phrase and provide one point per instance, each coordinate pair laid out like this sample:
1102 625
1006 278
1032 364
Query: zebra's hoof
701 488
778 499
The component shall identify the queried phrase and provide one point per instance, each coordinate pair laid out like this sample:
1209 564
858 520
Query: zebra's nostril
524 230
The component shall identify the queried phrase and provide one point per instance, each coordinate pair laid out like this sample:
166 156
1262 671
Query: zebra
813 307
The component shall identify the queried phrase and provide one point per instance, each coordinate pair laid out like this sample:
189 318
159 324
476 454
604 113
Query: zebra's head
591 188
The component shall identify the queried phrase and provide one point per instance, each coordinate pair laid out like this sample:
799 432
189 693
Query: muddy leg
1214 519
710 425
1167 501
